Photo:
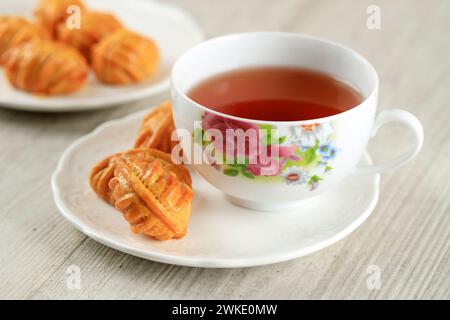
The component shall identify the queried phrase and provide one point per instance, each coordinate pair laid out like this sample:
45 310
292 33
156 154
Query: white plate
220 233
172 29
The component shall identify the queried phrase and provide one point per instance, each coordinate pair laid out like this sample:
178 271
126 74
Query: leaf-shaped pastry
45 68
103 171
94 25
156 129
50 13
16 30
153 200
153 194
124 57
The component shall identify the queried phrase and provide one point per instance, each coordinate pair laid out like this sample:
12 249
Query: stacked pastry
153 194
156 129
51 56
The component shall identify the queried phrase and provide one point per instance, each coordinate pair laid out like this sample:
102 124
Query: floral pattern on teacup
299 155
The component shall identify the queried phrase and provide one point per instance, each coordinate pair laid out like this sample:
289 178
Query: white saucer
173 30
220 233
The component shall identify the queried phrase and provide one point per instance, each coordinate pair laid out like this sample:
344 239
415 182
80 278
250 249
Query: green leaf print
247 173
197 135
314 178
266 134
309 155
231 172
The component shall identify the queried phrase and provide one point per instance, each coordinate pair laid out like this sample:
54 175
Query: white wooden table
407 236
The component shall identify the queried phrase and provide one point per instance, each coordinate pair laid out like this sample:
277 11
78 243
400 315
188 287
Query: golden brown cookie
94 26
124 57
45 68
16 30
153 194
50 13
156 129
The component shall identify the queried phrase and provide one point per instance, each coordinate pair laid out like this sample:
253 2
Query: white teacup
343 137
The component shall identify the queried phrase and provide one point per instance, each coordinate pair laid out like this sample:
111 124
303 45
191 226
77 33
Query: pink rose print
300 157
213 121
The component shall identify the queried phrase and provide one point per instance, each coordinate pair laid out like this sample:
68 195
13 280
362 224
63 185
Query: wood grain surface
407 236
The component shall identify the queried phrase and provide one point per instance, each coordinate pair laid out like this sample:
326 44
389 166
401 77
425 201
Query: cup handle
395 115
